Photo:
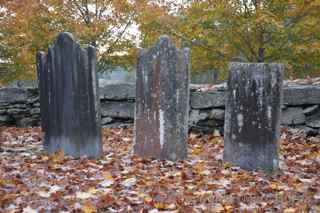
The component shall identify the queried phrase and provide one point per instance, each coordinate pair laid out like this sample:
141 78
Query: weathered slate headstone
69 100
43 88
252 117
162 102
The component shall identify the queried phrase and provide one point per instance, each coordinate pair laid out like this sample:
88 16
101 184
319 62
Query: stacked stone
19 106
117 105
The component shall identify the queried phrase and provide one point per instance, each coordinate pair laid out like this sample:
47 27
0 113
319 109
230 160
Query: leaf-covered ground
32 181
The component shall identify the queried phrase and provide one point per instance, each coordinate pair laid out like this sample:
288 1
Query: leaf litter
33 181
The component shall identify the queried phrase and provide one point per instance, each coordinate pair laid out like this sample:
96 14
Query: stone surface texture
69 101
293 116
24 101
252 117
162 102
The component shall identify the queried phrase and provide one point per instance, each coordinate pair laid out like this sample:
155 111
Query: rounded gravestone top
164 40
65 37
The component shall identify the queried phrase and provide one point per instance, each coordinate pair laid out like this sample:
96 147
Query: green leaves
264 31
32 25
217 31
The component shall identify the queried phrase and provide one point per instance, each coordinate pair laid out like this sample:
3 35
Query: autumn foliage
33 181
28 26
220 31
217 31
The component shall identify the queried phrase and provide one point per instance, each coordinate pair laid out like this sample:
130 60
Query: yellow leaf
277 186
2 181
160 205
5 181
93 191
107 175
146 197
58 157
197 151
199 166
218 208
289 210
88 207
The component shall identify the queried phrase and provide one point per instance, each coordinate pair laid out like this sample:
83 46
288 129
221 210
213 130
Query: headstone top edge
164 41
142 51
164 38
233 63
64 35
90 47
64 38
67 36
186 49
273 67
41 53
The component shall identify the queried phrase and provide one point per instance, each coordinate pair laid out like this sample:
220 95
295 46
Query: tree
219 31
24 29
31 25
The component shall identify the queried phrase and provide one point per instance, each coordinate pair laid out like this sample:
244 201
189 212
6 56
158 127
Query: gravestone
162 101
69 100
252 116
41 59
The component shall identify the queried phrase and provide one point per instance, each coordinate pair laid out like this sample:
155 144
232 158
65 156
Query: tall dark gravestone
252 116
69 100
162 102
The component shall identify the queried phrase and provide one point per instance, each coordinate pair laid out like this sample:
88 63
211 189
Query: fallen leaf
289 210
28 209
129 182
57 157
84 195
89 207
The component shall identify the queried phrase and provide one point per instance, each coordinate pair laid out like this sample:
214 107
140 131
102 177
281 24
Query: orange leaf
89 207
58 157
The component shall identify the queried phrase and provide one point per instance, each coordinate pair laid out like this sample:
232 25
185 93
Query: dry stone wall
19 106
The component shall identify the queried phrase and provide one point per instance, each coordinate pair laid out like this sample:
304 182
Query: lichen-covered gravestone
162 102
252 117
69 101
